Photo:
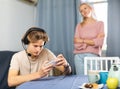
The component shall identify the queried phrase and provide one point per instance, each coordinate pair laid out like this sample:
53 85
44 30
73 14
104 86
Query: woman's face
85 10
35 48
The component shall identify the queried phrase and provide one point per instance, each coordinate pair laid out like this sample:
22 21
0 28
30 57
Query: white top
23 63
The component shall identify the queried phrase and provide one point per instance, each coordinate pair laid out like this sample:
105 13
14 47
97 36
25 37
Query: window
100 7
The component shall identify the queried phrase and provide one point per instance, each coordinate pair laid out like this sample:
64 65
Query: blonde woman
88 37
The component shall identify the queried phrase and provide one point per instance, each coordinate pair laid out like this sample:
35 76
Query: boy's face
35 48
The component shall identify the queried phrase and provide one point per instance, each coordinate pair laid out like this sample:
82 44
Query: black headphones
25 39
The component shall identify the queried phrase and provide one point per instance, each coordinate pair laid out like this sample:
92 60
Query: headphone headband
25 39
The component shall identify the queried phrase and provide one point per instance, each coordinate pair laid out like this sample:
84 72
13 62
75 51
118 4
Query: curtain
59 18
113 39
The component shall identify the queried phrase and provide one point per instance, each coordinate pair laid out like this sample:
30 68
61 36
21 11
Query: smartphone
53 62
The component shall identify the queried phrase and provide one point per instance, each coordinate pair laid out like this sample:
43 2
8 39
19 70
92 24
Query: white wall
15 18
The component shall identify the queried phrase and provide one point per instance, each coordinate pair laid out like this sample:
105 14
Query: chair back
99 63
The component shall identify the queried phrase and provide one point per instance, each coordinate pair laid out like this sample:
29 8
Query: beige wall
15 18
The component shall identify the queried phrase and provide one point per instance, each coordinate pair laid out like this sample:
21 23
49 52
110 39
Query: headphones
25 39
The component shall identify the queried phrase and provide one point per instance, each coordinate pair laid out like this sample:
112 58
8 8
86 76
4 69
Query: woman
88 38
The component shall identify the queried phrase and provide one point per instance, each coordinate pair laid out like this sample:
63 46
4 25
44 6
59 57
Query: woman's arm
91 42
98 41
78 40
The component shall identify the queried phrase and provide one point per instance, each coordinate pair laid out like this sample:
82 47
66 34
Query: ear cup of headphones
25 39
